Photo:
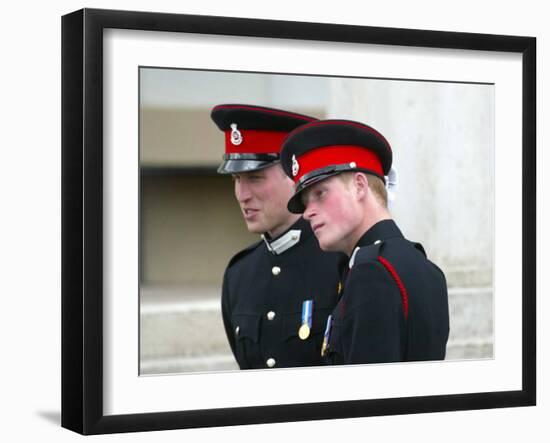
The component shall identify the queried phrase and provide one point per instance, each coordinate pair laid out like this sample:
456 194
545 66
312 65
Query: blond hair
376 185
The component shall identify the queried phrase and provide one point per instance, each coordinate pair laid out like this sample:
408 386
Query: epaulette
367 253
419 247
371 252
244 252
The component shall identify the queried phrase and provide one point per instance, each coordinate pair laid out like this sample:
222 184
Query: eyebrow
307 192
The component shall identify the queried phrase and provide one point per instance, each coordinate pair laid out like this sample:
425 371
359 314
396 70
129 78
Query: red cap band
336 155
255 142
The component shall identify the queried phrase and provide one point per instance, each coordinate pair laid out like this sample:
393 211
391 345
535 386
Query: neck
371 217
278 230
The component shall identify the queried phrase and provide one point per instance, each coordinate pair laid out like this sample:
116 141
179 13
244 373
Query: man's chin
327 244
324 244
255 227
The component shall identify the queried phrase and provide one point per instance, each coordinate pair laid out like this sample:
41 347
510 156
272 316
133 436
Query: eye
320 193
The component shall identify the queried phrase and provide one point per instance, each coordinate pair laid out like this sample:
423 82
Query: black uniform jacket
263 294
394 306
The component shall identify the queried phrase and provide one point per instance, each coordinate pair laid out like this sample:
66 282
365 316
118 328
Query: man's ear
361 184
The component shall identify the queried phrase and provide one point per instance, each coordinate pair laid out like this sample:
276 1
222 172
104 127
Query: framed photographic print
149 225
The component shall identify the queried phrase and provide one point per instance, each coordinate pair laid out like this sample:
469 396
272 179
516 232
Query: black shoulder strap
419 247
367 253
244 252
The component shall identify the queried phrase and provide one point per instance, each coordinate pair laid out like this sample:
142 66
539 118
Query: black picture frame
82 218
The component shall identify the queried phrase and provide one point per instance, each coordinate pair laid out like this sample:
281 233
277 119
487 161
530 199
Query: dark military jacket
394 306
264 288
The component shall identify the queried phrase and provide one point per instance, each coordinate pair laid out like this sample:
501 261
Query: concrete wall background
190 228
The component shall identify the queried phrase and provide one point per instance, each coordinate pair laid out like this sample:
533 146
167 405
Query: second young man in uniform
278 293
394 306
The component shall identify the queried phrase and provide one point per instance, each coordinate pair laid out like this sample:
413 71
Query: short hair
376 185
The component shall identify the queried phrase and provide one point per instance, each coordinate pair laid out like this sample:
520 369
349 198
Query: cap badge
236 136
295 166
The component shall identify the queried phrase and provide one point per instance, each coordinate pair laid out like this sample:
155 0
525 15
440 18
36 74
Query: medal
307 311
326 337
303 332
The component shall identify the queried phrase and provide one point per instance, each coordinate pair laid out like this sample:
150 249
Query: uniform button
270 315
237 329
377 242
275 270
294 237
270 362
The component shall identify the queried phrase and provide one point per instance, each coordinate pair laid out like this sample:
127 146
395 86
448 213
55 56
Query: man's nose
242 191
310 212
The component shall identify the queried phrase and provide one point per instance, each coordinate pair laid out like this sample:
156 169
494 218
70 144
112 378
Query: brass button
275 270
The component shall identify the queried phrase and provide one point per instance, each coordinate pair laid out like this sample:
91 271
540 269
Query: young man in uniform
277 293
394 306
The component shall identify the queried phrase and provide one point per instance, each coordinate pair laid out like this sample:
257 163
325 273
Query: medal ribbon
307 311
326 335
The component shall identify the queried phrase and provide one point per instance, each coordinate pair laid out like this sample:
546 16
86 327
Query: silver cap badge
295 166
236 136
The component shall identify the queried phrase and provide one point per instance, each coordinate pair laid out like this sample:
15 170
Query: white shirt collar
284 242
352 258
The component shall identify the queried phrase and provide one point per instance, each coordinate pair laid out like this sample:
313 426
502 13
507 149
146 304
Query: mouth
249 213
317 226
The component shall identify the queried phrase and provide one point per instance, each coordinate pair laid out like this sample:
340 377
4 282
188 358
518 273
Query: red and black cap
321 149
253 135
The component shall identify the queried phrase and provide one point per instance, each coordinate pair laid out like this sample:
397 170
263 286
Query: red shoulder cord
401 286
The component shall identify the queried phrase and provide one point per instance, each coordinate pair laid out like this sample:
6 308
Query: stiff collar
379 232
289 238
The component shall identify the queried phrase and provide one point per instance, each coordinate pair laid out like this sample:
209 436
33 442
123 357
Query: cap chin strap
392 183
